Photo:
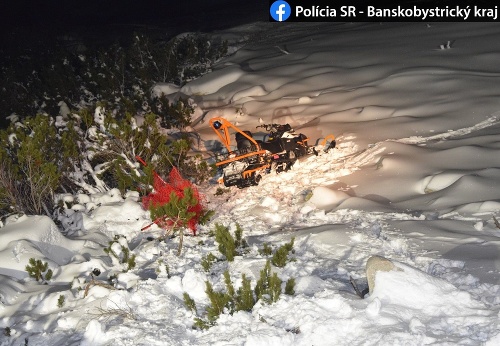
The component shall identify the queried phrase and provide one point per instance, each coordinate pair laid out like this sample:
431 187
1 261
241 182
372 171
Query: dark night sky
69 13
59 16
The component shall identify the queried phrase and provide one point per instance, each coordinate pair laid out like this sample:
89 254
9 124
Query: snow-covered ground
414 178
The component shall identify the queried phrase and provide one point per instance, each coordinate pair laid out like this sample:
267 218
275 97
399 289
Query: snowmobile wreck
279 150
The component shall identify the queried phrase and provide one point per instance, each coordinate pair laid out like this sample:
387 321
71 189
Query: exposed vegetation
39 270
60 301
83 115
179 213
120 73
207 261
230 246
267 289
118 250
41 156
280 257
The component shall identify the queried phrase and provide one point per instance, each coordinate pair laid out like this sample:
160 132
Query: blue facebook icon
280 11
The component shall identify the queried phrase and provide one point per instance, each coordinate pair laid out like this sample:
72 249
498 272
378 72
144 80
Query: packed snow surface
414 178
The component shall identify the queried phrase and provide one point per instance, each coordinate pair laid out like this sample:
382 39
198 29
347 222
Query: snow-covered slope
413 178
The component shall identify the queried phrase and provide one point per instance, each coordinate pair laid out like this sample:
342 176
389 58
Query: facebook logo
280 11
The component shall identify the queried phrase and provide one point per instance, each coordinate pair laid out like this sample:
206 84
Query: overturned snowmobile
278 152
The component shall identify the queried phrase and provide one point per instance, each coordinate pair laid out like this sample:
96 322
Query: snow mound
416 290
212 82
19 243
326 198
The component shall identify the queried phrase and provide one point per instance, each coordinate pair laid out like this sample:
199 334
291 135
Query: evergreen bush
245 298
179 213
189 302
290 287
239 241
123 256
32 165
280 256
39 270
41 156
229 301
60 301
122 74
227 244
266 250
218 302
207 261
230 246
268 287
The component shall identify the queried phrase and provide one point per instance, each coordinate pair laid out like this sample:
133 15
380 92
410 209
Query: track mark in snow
451 133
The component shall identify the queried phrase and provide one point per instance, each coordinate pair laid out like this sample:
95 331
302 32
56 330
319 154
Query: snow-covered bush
34 157
85 151
122 74
119 252
172 115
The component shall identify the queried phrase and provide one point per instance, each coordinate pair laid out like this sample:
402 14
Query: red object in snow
161 195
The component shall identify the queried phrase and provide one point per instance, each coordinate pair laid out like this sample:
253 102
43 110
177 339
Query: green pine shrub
123 256
245 298
173 115
227 245
266 250
60 301
32 165
218 302
268 287
39 270
207 261
239 241
230 301
290 287
189 302
180 213
230 246
280 256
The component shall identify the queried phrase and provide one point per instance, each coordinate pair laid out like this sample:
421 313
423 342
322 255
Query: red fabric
161 195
